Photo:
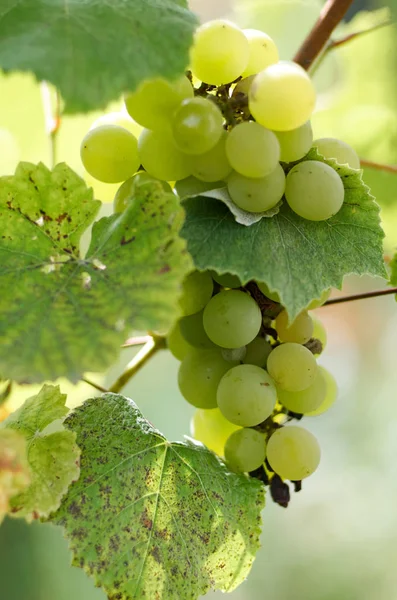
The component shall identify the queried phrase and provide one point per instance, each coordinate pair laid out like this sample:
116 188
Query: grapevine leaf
296 258
14 468
149 518
93 51
53 457
63 315
393 275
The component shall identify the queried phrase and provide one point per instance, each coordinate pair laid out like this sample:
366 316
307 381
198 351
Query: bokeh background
338 538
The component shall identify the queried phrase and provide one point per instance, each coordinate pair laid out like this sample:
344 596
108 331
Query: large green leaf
296 258
95 50
61 314
153 519
14 468
53 458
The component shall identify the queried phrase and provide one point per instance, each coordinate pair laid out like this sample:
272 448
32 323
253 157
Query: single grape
340 151
306 400
191 186
316 303
212 165
319 332
282 97
226 280
110 153
176 343
257 352
314 190
197 126
199 375
127 190
299 331
211 429
266 291
292 366
245 450
331 395
232 319
257 195
246 395
295 144
252 150
197 290
192 329
234 354
263 52
122 119
155 101
220 52
293 453
160 157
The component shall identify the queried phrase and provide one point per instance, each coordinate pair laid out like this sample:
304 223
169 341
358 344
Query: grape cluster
239 119
249 371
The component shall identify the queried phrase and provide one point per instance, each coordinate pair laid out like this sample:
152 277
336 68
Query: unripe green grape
299 331
212 165
211 429
197 290
317 302
307 400
252 150
155 101
340 151
197 126
331 395
176 343
282 97
246 395
110 153
226 280
257 352
192 330
232 319
293 453
265 290
319 331
220 52
245 450
199 375
257 195
295 144
160 157
191 186
127 190
292 366
263 51
314 190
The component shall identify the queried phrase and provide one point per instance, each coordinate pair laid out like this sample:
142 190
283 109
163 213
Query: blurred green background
338 538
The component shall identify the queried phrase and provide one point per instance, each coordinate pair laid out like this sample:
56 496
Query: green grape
282 97
331 395
265 290
197 290
257 195
319 332
220 52
232 319
226 280
122 119
197 125
176 343
110 153
263 52
340 151
199 375
191 186
306 400
292 366
246 395
245 450
299 331
127 190
192 329
257 352
211 429
295 144
314 190
252 150
212 165
234 354
155 101
160 157
293 453
317 302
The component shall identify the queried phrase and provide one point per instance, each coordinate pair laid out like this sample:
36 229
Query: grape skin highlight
197 126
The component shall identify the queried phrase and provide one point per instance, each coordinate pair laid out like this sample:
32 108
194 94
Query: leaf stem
378 166
362 296
330 16
94 385
352 36
151 347
52 119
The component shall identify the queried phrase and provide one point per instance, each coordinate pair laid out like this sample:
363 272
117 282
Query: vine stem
137 341
144 355
330 16
362 296
378 166
52 119
352 36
